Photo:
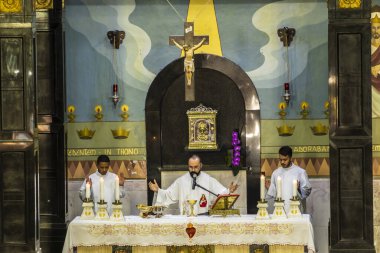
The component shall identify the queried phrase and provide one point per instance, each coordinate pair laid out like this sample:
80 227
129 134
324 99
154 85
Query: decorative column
351 224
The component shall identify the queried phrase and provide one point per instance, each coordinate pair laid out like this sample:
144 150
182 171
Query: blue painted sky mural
247 33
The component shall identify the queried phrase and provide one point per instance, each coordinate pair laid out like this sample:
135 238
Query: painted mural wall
241 31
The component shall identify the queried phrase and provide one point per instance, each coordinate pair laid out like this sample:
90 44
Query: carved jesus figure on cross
189 61
189 43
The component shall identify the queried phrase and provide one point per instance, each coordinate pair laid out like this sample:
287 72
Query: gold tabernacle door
223 205
202 128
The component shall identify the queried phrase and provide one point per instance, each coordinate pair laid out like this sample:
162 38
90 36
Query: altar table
176 230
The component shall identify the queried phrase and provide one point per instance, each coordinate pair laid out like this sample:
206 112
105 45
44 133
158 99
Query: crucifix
189 43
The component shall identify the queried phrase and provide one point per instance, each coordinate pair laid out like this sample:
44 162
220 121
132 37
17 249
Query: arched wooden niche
219 84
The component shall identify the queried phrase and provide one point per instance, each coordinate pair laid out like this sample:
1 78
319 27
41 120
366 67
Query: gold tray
146 211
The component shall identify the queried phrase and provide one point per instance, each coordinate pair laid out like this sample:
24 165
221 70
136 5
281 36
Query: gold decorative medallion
349 4
10 6
202 128
44 4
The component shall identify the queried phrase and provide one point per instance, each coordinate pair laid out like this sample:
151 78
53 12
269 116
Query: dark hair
103 158
286 151
195 157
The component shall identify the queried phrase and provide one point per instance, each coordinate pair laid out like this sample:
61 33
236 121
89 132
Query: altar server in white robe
187 187
288 172
111 180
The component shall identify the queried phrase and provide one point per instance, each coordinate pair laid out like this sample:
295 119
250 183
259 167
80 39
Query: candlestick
101 182
279 187
262 187
295 186
117 194
88 193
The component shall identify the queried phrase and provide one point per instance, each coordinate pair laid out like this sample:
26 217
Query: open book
225 201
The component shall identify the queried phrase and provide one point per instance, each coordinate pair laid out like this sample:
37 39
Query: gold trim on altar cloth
202 128
178 229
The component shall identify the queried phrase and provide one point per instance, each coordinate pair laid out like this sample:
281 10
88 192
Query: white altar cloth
171 230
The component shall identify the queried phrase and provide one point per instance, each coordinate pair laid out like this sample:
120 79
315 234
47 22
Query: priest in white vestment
189 187
288 172
111 181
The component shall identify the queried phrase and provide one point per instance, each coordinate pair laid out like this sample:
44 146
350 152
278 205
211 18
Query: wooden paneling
12 85
351 224
18 184
14 195
50 120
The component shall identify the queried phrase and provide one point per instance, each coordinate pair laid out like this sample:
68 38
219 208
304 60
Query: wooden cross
189 43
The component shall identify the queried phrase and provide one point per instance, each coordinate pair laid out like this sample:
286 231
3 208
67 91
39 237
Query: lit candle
114 88
295 186
262 187
117 194
101 182
88 193
279 187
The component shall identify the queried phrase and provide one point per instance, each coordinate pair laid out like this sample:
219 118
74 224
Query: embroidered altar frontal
181 230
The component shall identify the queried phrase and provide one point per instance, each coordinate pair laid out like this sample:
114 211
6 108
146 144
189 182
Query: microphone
194 176
194 180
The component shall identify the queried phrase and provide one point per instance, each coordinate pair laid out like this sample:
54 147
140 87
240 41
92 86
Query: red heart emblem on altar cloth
190 230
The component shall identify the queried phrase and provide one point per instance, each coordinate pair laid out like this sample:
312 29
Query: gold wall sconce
124 112
305 109
282 106
327 109
85 133
284 130
71 116
120 133
319 128
98 112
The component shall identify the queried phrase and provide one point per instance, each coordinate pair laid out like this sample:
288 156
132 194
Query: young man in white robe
289 172
187 188
103 163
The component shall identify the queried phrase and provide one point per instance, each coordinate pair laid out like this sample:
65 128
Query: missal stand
223 205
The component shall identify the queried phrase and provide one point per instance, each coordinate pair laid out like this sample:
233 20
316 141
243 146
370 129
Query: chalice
192 202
